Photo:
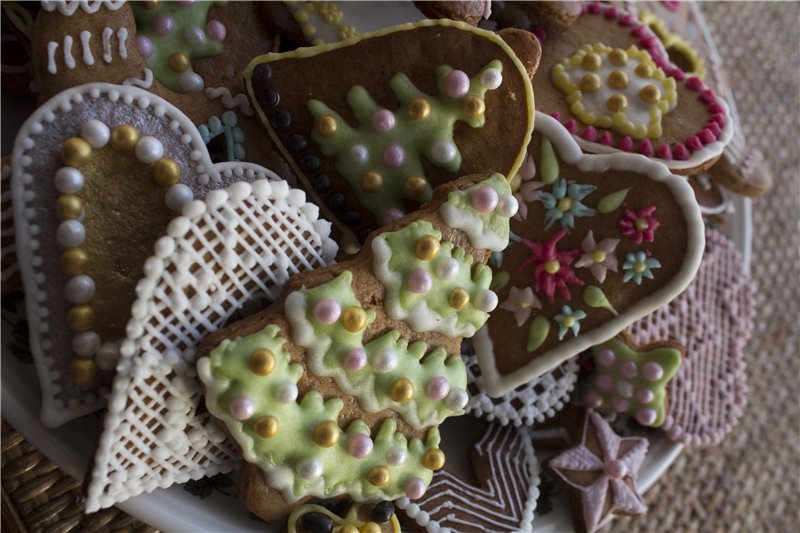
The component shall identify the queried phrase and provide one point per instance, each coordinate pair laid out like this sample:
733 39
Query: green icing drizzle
595 297
184 17
286 455
329 345
611 202
500 280
548 167
416 138
537 333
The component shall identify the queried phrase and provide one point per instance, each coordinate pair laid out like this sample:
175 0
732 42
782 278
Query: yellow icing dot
372 182
345 32
349 528
178 62
459 298
68 206
565 204
618 57
326 434
433 459
589 83
569 322
598 256
326 125
641 224
262 362
644 71
124 137
73 261
309 30
474 106
267 426
551 267
378 476
618 102
639 267
618 79
80 318
75 152
650 94
371 527
83 371
426 248
591 61
419 109
414 186
354 319
166 172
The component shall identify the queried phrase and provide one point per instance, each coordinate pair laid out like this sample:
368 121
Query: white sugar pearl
86 344
286 392
443 151
68 180
491 78
447 268
195 35
95 133
70 233
309 469
457 399
190 82
149 150
107 356
79 290
359 153
396 456
385 361
486 301
507 206
178 196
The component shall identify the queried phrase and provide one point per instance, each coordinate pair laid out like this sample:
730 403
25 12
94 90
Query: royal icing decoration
69 7
679 50
85 53
10 268
312 518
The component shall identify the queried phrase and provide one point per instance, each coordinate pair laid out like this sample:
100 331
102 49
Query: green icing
485 230
328 347
548 166
537 333
626 388
500 280
595 297
227 376
415 137
395 259
184 17
611 202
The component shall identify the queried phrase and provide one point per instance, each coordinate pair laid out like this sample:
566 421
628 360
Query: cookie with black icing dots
371 125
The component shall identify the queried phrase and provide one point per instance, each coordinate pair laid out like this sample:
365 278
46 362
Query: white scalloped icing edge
497 384
69 7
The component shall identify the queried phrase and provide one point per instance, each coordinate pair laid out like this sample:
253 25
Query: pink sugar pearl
644 395
394 155
327 312
359 445
242 407
484 200
615 469
391 215
646 417
415 488
604 382
216 30
419 281
606 358
592 400
164 24
383 120
619 405
145 47
355 359
629 369
456 84
652 371
437 388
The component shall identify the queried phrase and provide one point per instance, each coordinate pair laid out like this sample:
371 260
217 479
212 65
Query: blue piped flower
563 204
569 320
637 266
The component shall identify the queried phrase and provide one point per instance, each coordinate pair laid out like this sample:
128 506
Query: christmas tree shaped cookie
371 125
339 388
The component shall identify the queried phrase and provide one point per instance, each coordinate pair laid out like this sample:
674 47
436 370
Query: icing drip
144 83
68 59
87 52
52 46
107 33
122 34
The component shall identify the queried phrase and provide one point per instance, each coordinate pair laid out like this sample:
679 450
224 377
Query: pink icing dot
355 359
359 445
644 395
419 281
639 31
391 215
415 488
383 120
604 382
484 200
590 134
646 148
145 46
620 405
242 407
693 143
627 20
677 73
707 136
646 417
681 152
606 357
652 371
592 400
540 33
556 115
456 83
605 138
707 96
610 13
694 83
394 155
714 128
615 469
715 107
719 118
437 388
626 144
651 41
164 24
327 312
664 152
571 126
216 30
628 369
594 8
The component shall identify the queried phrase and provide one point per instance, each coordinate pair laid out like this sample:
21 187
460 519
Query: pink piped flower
521 302
528 191
552 270
640 226
598 256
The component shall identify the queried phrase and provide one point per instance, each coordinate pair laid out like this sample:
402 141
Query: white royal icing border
498 384
69 7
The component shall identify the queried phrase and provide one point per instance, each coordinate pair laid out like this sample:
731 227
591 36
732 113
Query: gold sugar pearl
618 57
591 61
371 527
589 83
83 371
80 318
427 247
618 79
474 106
267 426
618 102
372 182
326 125
354 319
644 71
650 94
124 137
68 206
262 362
326 434
178 62
349 528
459 298
433 459
75 151
415 186
419 109
401 390
73 261
378 476
166 172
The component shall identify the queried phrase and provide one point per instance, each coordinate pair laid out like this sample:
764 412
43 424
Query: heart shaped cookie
97 173
598 242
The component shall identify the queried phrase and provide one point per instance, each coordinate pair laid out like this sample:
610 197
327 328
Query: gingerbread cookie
366 517
598 242
607 78
368 159
339 389
9 267
502 497
469 11
600 474
715 202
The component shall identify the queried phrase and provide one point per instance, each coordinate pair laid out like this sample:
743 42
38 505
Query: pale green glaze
548 166
537 333
611 202
595 297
